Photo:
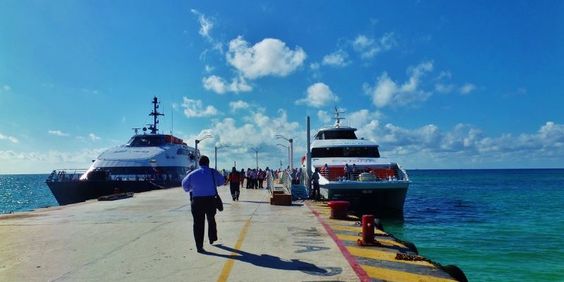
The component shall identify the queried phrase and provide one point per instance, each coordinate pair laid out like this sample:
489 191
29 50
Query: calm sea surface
496 225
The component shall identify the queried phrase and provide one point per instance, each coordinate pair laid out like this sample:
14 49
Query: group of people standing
255 177
250 179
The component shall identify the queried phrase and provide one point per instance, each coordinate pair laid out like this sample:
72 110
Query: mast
155 114
338 118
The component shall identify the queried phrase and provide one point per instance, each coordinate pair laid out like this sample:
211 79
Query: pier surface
149 237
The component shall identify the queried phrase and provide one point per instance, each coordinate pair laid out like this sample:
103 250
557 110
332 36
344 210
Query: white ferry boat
352 169
148 161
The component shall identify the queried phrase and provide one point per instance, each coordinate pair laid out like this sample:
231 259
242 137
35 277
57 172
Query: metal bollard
367 231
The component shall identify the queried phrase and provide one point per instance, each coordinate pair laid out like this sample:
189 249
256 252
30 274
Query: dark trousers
234 187
202 208
315 191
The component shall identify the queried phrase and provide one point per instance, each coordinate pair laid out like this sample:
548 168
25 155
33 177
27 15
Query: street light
256 150
291 141
288 149
196 142
215 156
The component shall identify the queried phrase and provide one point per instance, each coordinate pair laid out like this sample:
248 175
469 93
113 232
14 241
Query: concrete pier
149 237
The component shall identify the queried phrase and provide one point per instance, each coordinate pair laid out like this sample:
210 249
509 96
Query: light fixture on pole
291 141
196 142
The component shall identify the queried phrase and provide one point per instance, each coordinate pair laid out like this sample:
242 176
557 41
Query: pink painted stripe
362 275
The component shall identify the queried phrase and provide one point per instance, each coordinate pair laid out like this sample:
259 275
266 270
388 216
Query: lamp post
291 141
215 156
256 150
196 142
288 149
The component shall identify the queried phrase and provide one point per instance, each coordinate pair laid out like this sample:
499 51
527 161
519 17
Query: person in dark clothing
315 185
234 184
202 185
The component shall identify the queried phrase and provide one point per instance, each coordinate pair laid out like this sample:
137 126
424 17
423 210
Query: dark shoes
201 251
213 240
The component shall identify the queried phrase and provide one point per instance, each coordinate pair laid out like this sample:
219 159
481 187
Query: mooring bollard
339 209
367 230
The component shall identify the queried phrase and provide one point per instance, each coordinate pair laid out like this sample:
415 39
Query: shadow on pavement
268 261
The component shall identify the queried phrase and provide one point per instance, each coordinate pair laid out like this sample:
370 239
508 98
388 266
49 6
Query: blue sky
438 84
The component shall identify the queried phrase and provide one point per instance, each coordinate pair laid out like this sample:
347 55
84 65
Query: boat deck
149 237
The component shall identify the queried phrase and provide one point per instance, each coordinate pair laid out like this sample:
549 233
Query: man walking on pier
202 184
234 184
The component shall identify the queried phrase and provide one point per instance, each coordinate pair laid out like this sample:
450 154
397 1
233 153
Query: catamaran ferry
148 161
352 169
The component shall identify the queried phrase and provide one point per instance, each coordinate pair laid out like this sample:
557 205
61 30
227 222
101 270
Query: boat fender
455 272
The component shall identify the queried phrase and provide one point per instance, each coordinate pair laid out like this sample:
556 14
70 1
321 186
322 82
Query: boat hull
378 198
69 192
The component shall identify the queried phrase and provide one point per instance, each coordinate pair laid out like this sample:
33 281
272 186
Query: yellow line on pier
229 264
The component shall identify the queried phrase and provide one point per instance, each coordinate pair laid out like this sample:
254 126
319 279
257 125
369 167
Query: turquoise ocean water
496 225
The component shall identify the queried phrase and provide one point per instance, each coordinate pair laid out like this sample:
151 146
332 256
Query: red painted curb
362 275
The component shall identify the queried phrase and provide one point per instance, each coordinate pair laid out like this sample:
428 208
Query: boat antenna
155 114
136 129
338 117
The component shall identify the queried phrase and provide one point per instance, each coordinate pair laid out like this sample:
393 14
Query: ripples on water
24 192
497 225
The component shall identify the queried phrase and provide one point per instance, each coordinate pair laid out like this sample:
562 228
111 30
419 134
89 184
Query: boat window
336 152
336 134
146 141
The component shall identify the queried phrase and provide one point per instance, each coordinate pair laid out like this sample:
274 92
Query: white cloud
57 133
195 108
255 129
386 92
268 57
9 138
444 75
336 59
467 88
323 116
219 85
314 66
238 105
369 47
318 95
93 137
444 88
552 134
463 145
45 161
206 24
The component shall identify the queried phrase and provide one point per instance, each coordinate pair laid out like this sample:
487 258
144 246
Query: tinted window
333 152
146 141
336 134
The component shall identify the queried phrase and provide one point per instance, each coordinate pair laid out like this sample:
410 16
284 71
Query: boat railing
65 175
338 173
